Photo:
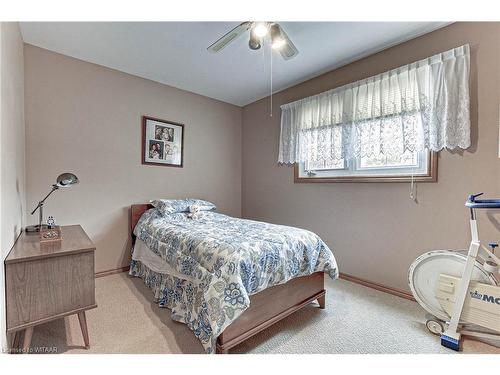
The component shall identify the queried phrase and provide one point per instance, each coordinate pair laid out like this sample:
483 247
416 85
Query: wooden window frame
430 176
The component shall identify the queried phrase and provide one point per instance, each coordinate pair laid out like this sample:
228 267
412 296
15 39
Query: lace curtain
423 105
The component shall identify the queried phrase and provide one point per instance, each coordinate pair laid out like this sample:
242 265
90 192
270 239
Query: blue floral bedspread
223 260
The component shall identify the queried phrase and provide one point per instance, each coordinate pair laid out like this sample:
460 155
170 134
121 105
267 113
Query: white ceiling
174 53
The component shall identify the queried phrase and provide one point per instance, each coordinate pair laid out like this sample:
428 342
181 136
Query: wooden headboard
136 211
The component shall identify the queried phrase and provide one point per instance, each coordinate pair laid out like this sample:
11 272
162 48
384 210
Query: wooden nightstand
49 281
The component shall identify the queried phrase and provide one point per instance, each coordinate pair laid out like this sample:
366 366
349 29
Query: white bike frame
476 251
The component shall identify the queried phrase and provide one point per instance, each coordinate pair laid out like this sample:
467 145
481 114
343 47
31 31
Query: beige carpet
356 320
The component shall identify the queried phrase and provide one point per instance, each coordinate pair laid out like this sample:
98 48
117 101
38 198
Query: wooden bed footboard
266 307
270 306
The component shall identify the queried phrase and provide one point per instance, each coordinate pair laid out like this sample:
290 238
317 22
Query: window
421 165
382 155
387 127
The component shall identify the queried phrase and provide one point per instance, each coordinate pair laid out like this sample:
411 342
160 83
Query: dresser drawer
39 290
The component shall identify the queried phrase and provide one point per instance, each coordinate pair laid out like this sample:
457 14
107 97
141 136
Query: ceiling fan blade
229 37
288 50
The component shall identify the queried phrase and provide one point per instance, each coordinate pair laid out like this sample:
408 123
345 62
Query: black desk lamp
63 181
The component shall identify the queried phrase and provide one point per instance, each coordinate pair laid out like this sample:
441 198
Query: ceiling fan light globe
260 30
277 39
278 43
254 44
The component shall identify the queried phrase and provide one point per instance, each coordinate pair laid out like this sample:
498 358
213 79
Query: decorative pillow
171 206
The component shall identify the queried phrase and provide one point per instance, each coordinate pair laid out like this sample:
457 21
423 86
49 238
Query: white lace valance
423 105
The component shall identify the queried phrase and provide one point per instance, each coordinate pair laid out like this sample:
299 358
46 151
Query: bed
227 278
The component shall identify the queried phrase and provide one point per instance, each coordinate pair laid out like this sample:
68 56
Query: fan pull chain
271 109
413 187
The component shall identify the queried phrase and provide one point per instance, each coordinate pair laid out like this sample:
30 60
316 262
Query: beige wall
12 135
375 230
86 119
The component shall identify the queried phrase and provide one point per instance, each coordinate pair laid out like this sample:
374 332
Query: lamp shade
66 180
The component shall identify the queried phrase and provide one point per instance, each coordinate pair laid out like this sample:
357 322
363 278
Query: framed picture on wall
162 142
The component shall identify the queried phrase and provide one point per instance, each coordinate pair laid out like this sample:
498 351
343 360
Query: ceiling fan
259 32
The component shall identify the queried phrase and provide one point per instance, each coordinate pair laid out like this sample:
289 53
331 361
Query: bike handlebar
472 202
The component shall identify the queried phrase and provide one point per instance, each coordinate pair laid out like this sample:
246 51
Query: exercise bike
460 290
